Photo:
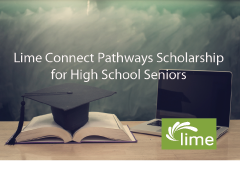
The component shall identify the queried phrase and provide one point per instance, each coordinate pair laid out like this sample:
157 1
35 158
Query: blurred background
128 27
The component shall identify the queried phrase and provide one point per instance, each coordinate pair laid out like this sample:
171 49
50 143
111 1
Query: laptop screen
194 94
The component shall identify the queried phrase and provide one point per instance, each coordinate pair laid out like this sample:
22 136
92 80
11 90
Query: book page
41 122
47 140
104 139
41 127
86 139
126 128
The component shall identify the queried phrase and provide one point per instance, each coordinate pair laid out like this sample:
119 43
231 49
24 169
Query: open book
101 127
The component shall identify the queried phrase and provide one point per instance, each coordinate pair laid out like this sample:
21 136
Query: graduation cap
69 104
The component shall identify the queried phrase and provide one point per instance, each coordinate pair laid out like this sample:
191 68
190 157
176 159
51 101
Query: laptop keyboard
159 123
155 123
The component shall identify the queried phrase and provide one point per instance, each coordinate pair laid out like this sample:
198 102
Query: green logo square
188 133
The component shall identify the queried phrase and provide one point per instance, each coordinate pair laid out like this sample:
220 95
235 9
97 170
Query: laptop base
145 128
152 129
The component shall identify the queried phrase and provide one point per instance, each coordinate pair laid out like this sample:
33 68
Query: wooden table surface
147 148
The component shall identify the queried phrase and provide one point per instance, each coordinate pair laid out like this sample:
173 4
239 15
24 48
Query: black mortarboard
69 104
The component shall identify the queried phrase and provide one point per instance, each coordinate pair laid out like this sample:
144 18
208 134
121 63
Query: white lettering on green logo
188 133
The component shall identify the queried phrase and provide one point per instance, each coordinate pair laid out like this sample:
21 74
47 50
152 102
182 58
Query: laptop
191 94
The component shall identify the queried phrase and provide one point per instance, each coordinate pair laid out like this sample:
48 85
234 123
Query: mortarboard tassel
12 141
